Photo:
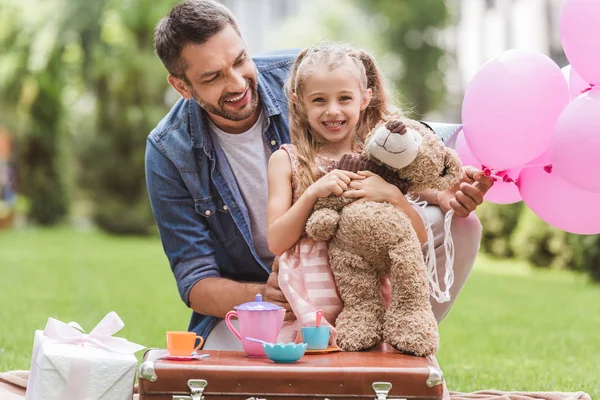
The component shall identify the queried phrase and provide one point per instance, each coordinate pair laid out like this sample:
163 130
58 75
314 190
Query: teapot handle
230 325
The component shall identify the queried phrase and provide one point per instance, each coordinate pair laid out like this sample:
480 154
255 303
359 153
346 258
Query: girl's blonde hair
332 55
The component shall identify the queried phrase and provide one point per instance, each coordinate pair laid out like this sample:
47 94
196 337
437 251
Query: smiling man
206 170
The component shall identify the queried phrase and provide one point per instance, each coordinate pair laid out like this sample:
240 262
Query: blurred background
81 88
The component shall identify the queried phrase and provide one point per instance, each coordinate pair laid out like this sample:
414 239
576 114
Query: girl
336 97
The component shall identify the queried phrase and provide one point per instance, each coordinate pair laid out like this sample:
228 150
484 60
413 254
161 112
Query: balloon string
504 177
588 88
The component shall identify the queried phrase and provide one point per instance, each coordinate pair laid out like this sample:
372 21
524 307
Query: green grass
516 328
78 276
512 328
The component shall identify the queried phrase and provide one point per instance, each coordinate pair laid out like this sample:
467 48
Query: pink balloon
579 33
510 108
576 83
501 192
575 148
557 202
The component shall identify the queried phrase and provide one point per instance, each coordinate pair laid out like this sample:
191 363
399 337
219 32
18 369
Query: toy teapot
257 319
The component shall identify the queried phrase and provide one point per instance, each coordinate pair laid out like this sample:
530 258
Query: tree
409 29
129 84
32 83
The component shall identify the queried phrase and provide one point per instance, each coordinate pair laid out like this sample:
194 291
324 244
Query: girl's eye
318 100
345 98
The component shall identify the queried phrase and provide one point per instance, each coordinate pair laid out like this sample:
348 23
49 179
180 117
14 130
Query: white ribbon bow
100 336
72 333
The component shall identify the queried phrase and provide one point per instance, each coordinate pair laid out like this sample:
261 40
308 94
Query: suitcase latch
197 387
382 390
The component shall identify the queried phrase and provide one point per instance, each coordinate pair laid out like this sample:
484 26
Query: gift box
68 364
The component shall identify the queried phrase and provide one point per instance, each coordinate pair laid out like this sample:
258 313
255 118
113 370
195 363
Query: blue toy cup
316 337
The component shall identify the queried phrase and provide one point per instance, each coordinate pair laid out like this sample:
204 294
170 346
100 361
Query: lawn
512 328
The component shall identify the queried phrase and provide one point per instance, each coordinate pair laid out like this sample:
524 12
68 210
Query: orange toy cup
181 344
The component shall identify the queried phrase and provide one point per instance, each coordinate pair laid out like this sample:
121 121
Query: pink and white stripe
307 282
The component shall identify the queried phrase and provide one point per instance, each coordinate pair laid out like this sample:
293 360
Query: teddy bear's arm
323 222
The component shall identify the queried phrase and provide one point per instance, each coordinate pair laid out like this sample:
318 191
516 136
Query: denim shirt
202 219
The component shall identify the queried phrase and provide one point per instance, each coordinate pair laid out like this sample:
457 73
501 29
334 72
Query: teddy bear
368 240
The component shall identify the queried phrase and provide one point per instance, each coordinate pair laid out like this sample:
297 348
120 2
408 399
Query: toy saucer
185 358
324 351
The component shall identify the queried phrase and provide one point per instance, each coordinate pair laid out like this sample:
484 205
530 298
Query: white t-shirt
248 157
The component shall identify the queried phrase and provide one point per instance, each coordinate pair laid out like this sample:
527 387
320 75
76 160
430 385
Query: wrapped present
68 364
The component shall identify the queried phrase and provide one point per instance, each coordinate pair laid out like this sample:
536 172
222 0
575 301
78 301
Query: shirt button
207 212
225 208
273 142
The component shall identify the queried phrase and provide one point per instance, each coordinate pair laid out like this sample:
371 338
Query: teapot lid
258 305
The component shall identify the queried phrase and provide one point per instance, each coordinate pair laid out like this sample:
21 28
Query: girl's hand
374 188
334 182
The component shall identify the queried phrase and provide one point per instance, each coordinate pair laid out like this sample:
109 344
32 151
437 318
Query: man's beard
220 109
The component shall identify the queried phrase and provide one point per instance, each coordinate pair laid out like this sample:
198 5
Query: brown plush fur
368 240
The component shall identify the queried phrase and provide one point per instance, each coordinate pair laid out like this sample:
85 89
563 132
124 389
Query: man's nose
237 83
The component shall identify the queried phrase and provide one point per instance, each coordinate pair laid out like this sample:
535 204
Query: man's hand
467 195
273 294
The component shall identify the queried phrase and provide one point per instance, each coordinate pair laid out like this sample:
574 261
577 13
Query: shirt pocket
219 219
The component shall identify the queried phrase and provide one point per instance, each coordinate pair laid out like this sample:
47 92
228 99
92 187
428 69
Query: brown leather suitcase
228 375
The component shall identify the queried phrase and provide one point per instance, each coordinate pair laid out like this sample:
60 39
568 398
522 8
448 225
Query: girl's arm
285 222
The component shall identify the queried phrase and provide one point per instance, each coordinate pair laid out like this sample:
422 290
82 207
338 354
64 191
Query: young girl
336 97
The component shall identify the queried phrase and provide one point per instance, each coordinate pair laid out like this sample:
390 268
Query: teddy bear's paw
412 334
358 332
322 224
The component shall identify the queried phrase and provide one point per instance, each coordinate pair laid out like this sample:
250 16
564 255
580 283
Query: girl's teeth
334 124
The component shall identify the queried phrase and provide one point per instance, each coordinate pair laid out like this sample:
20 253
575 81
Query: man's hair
191 22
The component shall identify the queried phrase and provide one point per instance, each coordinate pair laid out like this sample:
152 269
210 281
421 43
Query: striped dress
304 273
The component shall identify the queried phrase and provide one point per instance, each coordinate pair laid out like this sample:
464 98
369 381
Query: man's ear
181 87
366 99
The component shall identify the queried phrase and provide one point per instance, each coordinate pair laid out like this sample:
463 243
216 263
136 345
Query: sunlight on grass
512 328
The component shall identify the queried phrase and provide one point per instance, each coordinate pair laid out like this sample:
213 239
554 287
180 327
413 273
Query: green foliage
515 231
334 20
498 221
409 29
540 243
401 35
32 107
586 250
128 83
87 69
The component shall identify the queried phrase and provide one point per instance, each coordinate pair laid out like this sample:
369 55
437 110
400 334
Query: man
206 169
